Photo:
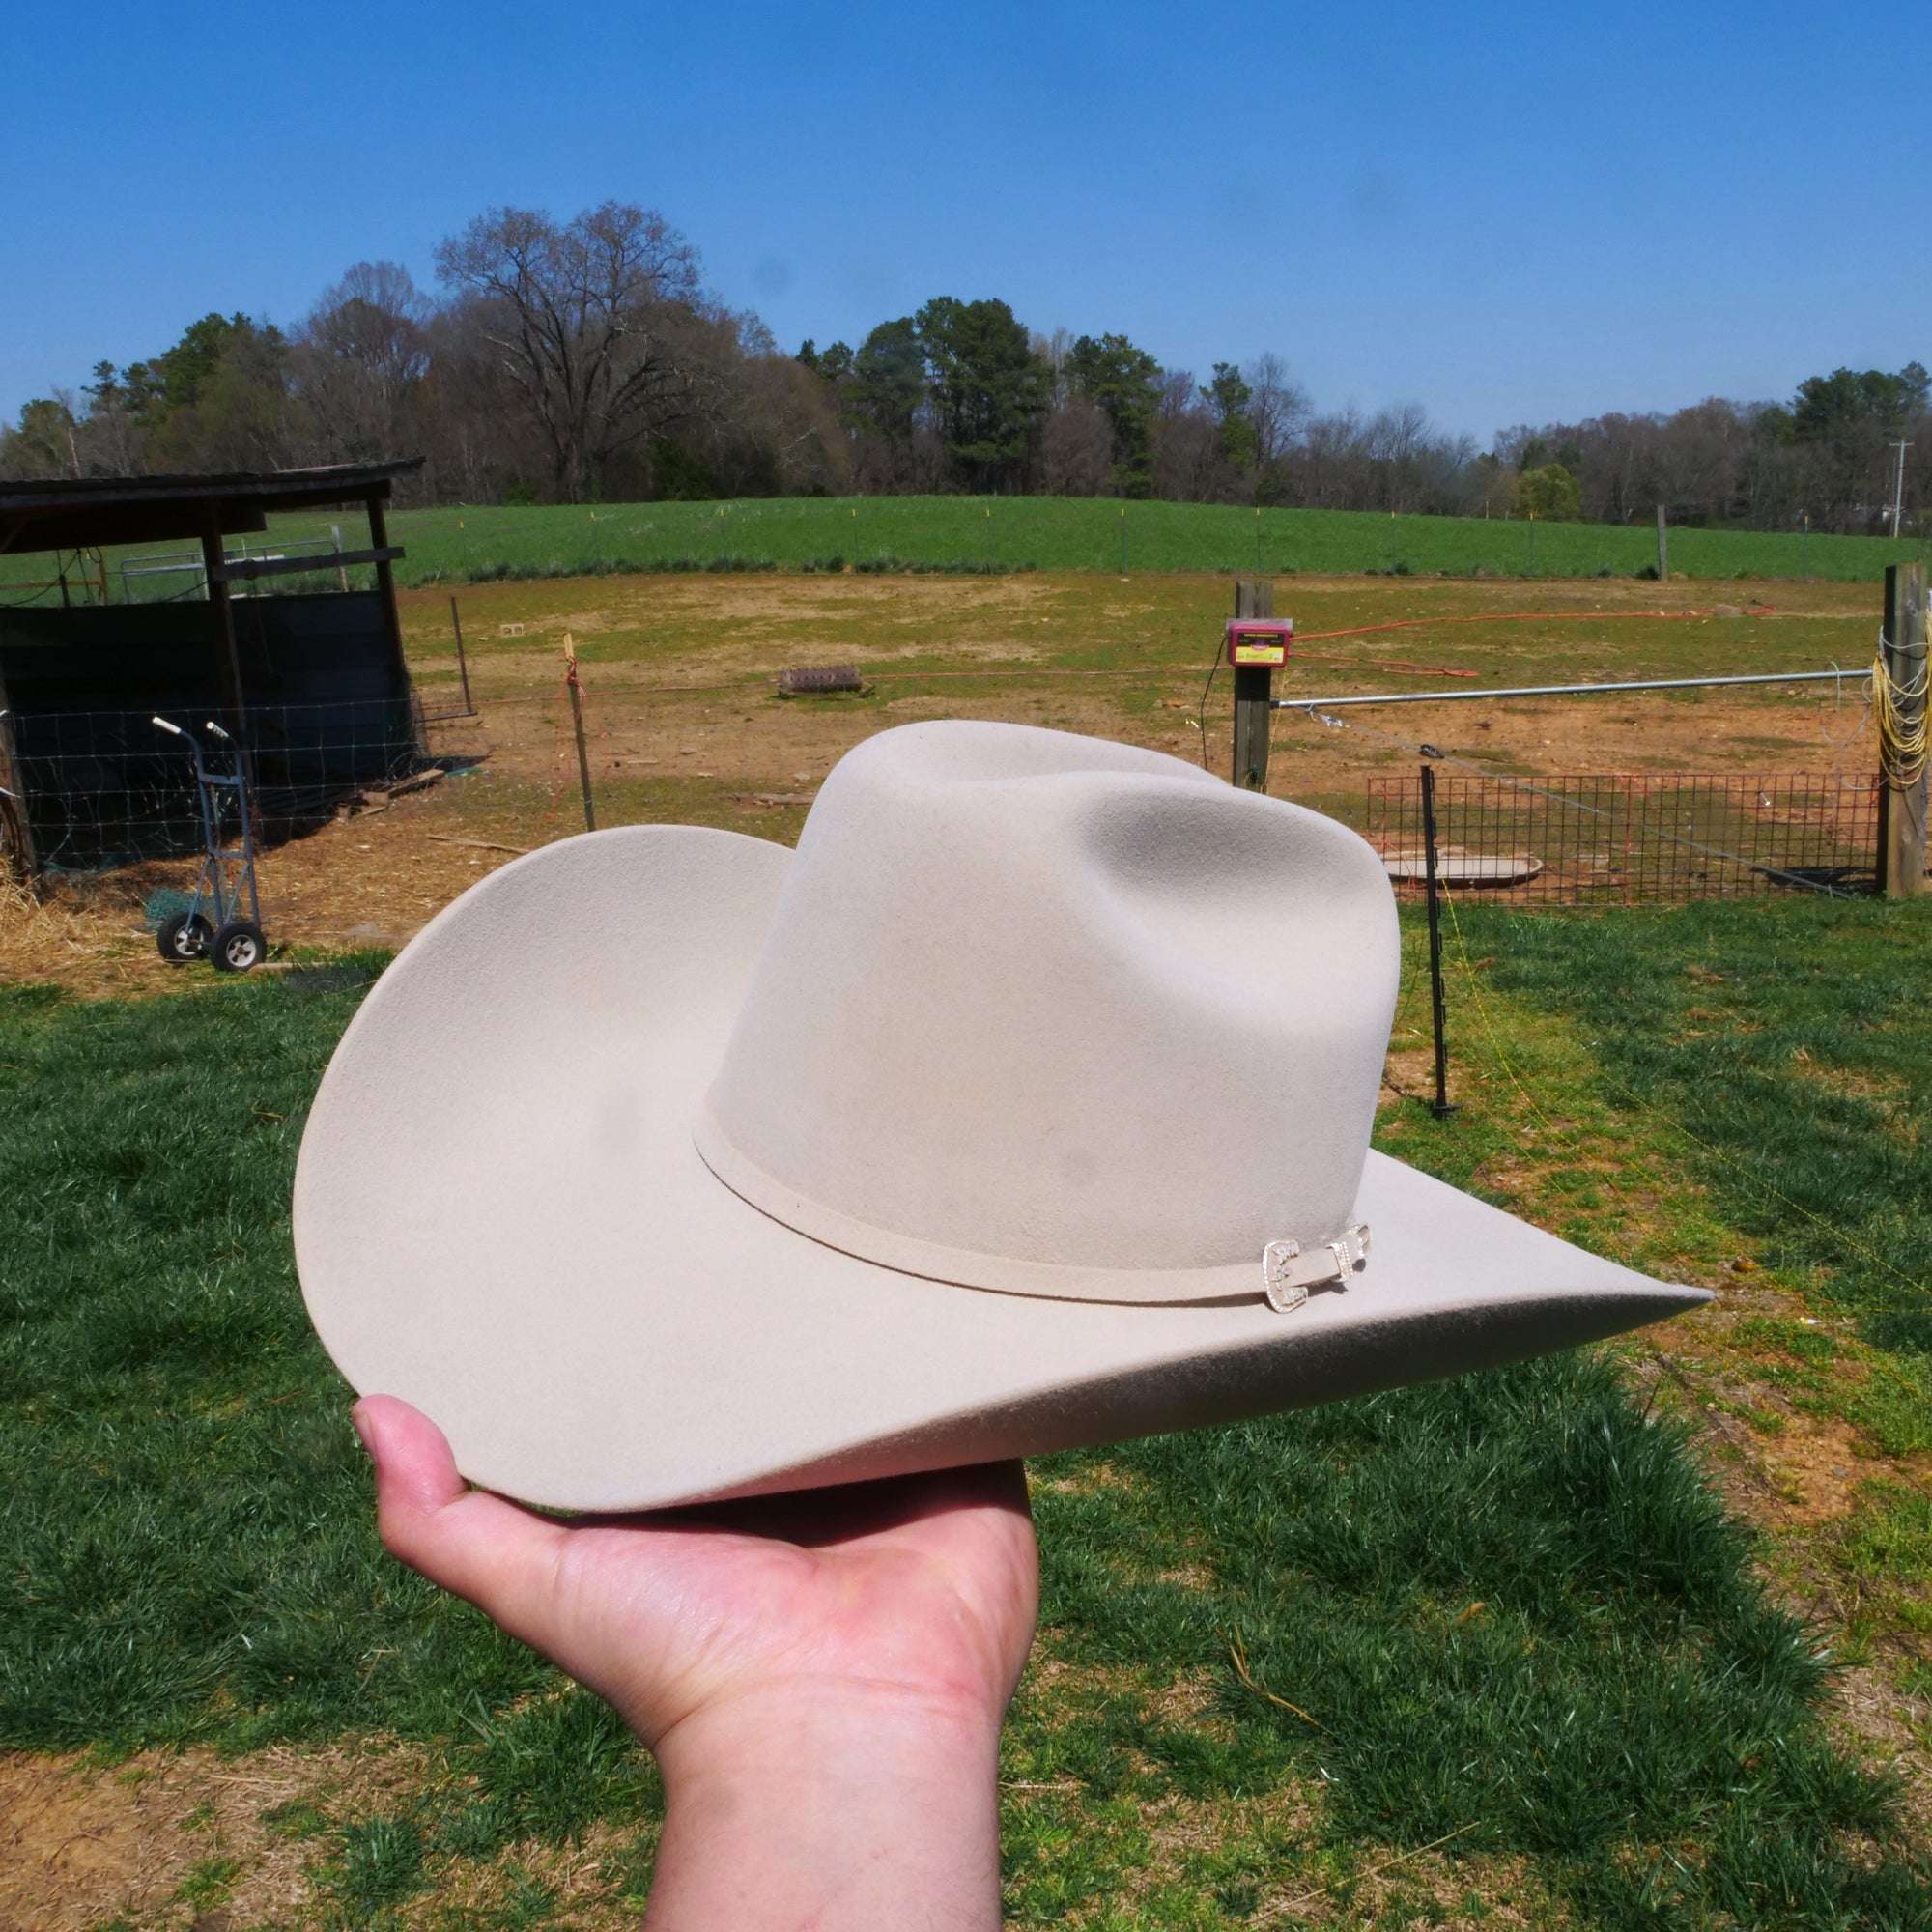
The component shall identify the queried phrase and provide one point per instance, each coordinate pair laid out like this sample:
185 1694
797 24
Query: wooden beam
296 566
173 520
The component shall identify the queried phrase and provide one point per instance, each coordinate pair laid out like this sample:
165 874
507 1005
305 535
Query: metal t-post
1442 1106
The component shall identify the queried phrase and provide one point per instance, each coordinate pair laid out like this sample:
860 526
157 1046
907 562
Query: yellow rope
1900 710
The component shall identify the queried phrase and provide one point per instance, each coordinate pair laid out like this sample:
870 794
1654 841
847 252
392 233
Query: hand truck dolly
232 939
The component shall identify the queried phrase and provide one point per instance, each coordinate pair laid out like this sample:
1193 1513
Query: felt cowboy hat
1025 1106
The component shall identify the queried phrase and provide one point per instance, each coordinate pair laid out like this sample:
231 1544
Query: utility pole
1663 547
1898 492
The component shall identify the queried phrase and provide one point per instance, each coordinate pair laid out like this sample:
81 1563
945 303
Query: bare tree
1076 450
360 361
1278 406
1052 350
1188 462
593 322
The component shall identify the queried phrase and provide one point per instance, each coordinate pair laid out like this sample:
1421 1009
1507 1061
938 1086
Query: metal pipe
1566 690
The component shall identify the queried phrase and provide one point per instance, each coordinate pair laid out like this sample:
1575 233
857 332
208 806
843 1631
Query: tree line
586 360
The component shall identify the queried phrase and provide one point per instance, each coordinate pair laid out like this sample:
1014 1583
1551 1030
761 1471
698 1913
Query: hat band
1280 1273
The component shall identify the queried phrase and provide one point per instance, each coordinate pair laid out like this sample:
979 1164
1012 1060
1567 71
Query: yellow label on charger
1258 647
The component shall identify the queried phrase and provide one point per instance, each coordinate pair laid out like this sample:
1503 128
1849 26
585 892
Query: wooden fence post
571 685
1663 547
1254 694
1901 738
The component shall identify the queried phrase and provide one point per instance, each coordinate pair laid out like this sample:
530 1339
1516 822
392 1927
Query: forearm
839 1817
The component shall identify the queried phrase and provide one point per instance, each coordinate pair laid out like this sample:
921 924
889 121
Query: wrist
830 1806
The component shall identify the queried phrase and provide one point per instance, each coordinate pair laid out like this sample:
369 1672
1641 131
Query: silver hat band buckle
1288 1274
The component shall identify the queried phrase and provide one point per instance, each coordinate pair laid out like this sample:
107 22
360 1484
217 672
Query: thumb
499 1557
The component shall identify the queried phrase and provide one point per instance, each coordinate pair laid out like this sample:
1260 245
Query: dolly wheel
236 947
183 936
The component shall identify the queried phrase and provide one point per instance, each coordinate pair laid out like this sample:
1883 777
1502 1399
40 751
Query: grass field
1549 1678
467 545
1515 1607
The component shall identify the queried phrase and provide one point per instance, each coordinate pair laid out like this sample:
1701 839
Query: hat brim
500 1216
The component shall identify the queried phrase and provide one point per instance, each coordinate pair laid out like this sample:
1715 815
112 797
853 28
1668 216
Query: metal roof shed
312 683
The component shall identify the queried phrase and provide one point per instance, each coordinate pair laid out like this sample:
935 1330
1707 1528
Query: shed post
1901 747
386 586
1254 693
17 833
214 567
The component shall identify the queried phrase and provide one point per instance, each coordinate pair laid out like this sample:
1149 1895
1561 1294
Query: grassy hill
1083 534
467 545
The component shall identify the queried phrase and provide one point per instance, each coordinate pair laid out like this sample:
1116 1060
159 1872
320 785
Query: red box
1259 640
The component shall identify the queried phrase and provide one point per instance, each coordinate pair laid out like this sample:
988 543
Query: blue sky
1507 213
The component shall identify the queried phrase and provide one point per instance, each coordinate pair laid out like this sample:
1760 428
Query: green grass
1510 1610
467 544
1788 1046
1771 1061
1510 1606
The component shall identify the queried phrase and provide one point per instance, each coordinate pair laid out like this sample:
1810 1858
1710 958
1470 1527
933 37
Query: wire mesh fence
90 790
1624 836
95 790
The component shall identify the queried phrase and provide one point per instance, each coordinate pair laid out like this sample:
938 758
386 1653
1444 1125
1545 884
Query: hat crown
1059 1001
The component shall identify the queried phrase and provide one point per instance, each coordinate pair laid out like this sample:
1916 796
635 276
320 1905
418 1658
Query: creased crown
1034 1002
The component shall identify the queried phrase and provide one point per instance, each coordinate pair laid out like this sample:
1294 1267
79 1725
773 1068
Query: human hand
821 1675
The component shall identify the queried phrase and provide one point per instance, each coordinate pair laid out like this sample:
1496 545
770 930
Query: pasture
1633 1639
474 544
684 722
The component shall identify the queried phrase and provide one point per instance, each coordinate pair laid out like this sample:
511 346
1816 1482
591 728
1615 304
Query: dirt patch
1887 1730
1437 1889
1098 1478
194 1842
1815 1465
168 1840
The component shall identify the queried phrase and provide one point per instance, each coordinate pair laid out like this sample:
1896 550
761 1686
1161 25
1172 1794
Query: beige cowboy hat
1025 1106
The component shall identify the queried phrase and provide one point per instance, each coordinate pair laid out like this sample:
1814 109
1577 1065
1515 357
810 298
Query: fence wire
95 790
1618 838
